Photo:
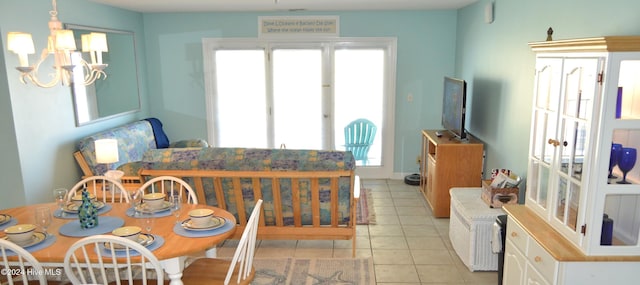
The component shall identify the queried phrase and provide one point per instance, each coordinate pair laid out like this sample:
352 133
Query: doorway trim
385 170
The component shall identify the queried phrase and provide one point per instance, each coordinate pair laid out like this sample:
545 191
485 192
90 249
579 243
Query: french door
300 94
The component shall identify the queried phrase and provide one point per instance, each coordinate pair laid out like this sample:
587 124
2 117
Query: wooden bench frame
129 182
279 230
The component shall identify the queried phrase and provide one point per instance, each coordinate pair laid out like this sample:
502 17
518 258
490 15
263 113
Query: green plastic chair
358 138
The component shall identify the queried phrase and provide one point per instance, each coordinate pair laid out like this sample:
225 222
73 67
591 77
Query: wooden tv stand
448 162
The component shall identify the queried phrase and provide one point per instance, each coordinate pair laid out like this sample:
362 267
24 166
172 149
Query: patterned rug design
365 214
300 271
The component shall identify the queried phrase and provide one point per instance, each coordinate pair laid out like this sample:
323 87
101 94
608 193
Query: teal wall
426 53
499 65
37 125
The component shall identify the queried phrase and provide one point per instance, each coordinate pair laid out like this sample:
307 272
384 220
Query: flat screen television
454 106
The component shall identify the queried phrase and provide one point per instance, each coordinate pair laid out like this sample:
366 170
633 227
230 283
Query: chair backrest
101 186
170 185
246 247
358 137
102 259
25 264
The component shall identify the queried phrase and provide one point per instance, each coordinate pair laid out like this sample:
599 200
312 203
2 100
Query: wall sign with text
297 26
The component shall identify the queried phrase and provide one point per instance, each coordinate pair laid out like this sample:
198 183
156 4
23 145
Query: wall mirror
119 93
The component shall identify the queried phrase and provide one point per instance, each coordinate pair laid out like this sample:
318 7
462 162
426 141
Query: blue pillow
162 141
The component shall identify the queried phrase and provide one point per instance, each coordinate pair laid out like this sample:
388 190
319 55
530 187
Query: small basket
496 197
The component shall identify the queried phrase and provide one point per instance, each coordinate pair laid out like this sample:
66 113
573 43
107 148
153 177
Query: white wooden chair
111 191
103 259
170 185
26 263
220 271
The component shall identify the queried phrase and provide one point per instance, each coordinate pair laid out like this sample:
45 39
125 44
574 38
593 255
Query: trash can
500 227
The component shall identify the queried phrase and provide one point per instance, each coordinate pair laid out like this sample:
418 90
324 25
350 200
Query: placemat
66 215
228 225
131 212
49 240
11 222
105 225
159 241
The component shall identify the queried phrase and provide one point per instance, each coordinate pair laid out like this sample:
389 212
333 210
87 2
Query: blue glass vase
626 163
87 213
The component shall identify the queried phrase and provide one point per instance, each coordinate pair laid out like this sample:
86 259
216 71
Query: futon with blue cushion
134 139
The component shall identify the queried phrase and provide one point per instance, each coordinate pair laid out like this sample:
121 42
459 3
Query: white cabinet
537 254
525 260
515 265
587 100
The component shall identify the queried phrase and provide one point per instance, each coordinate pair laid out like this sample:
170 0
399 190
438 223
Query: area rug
365 214
300 271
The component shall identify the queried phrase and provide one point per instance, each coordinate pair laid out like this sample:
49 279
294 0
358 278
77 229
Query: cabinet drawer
534 277
517 235
541 260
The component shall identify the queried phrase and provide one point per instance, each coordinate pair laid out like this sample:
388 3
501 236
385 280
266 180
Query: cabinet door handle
514 234
537 259
553 142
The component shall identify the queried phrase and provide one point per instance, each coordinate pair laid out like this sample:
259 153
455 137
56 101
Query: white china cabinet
581 219
586 100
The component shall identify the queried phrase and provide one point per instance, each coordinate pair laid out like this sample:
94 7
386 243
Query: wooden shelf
448 162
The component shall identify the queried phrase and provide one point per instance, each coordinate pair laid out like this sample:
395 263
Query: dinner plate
144 208
4 218
73 207
215 223
143 239
37 238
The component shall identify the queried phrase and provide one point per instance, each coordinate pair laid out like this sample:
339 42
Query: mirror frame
92 87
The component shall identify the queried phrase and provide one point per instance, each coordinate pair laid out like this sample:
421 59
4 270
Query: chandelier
68 65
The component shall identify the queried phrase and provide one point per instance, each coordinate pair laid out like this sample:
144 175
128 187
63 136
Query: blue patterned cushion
134 139
189 143
246 159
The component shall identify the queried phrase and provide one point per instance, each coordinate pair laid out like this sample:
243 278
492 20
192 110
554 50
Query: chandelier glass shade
62 48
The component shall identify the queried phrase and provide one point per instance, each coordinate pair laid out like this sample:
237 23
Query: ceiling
157 6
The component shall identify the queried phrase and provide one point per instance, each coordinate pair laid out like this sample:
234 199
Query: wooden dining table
172 254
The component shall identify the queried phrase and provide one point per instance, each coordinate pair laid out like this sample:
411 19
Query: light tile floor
408 245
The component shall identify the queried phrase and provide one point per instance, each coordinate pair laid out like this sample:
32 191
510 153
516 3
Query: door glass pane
562 199
625 168
565 146
359 90
548 84
533 180
297 98
573 206
240 115
573 148
544 186
621 220
539 140
549 136
580 87
628 97
579 145
568 202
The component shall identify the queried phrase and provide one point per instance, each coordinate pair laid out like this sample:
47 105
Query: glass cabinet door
580 85
545 116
